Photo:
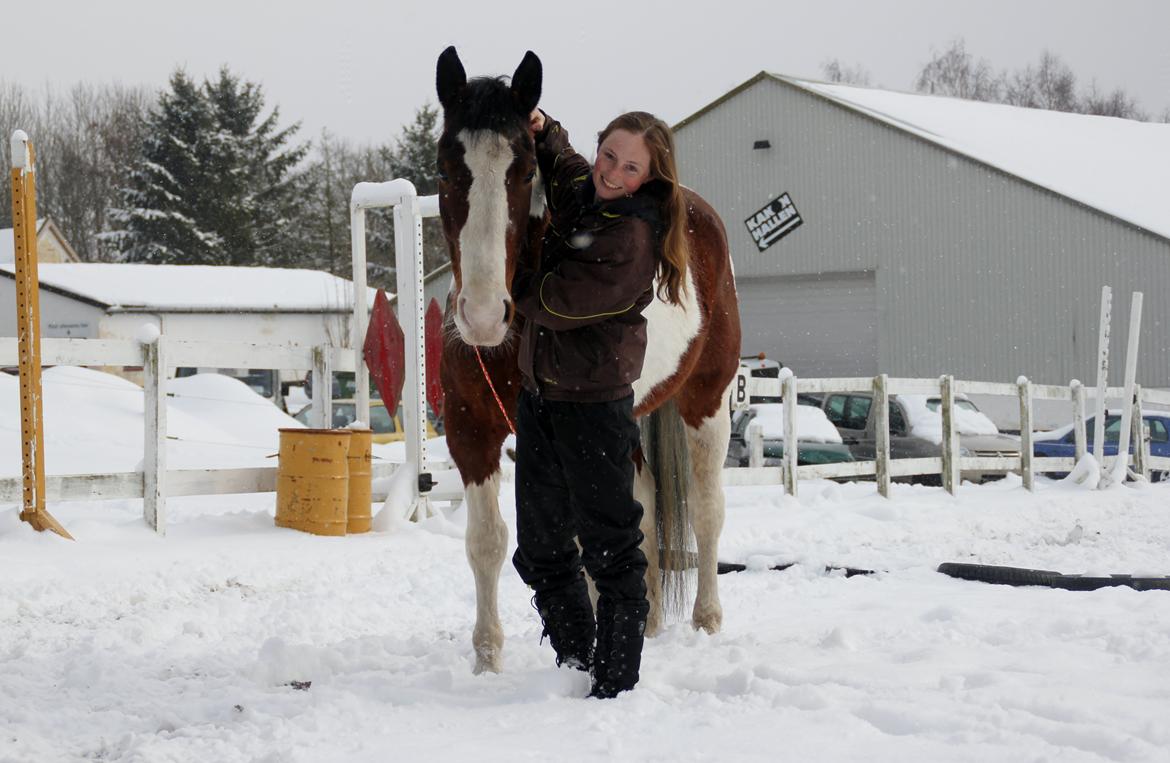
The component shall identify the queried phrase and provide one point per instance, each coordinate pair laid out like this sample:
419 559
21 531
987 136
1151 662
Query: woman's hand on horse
535 122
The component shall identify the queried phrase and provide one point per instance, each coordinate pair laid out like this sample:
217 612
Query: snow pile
927 423
811 423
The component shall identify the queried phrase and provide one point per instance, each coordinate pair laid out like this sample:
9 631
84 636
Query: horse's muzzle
484 323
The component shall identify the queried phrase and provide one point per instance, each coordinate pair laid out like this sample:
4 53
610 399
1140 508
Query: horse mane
487 104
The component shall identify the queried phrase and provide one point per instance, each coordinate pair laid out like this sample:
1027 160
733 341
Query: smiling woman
622 166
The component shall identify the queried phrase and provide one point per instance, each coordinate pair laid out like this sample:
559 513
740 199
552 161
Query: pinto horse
493 216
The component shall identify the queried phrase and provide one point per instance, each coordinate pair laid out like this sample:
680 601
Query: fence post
1117 471
1026 433
882 433
790 444
1079 435
154 461
756 445
323 387
950 437
1141 444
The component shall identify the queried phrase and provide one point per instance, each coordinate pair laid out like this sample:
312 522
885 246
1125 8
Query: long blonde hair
672 265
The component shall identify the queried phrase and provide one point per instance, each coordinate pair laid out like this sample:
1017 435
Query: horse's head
487 186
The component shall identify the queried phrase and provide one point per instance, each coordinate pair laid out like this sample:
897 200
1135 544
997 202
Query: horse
491 205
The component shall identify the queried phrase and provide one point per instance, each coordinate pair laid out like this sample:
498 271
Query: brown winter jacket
585 338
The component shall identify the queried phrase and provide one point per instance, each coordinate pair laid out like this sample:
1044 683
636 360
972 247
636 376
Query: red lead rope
495 394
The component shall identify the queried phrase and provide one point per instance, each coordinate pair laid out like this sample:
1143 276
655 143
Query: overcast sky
361 69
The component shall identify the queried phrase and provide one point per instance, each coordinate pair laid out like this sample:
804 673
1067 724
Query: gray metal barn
917 236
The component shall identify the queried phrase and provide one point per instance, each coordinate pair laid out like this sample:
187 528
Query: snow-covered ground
123 646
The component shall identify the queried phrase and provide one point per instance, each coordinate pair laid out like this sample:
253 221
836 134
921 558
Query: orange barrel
312 480
361 455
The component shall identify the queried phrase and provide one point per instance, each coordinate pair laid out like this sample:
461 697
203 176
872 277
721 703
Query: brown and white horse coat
492 210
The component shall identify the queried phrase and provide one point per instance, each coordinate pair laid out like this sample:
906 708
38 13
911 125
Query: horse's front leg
708 449
487 544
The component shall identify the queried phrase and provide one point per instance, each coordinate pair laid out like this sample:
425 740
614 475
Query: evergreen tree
413 158
254 200
216 184
161 217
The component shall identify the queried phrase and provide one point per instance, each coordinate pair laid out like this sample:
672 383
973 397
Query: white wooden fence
158 359
155 482
951 463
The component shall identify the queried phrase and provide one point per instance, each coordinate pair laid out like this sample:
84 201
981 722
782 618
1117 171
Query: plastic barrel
312 480
360 500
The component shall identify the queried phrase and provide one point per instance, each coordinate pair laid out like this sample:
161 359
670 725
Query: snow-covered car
916 430
1061 442
817 440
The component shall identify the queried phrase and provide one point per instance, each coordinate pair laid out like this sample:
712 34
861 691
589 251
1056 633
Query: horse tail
664 447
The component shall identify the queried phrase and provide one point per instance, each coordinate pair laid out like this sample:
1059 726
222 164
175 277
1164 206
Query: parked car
386 428
916 430
817 441
1061 442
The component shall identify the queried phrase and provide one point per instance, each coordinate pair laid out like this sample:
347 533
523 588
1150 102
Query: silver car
852 414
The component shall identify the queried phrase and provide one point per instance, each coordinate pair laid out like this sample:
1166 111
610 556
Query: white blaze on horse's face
483 299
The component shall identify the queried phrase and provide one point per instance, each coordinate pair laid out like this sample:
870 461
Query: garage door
819 326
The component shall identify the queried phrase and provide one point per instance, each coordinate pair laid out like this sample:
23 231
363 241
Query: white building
187 302
51 244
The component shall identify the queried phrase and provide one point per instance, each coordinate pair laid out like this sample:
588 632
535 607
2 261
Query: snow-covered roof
199 287
8 241
1118 166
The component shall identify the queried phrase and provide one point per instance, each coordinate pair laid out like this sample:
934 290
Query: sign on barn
775 221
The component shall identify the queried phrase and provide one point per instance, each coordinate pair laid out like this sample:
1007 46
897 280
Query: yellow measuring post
28 329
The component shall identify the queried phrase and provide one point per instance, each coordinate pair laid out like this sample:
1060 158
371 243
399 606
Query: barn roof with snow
875 231
196 288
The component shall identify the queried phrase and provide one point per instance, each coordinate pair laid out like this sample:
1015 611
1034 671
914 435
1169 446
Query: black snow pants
574 478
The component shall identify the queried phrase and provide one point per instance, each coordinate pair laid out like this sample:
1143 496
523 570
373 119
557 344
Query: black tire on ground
1022 576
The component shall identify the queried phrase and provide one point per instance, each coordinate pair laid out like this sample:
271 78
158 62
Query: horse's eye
443 176
529 177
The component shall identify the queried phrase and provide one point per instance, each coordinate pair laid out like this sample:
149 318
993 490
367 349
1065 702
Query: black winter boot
568 621
621 629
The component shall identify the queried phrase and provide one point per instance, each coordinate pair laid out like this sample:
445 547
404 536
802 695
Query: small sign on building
775 221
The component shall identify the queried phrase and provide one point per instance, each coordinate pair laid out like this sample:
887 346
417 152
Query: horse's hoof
710 621
487 663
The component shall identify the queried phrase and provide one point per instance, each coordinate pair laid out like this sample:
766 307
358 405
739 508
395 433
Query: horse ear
450 78
526 83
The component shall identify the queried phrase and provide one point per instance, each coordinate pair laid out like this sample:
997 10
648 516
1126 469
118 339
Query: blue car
1061 443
